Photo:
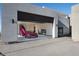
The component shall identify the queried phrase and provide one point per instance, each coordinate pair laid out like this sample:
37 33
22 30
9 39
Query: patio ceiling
30 17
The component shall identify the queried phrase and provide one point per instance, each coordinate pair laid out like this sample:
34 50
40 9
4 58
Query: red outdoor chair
27 34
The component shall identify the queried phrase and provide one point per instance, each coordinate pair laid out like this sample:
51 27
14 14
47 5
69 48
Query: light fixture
13 21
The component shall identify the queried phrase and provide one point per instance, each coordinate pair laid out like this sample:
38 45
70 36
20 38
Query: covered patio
42 25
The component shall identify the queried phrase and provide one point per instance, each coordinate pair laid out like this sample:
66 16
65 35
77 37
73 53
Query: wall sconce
13 21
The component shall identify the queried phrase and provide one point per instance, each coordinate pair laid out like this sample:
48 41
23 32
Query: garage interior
34 23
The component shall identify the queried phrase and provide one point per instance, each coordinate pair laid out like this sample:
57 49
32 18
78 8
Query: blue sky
61 7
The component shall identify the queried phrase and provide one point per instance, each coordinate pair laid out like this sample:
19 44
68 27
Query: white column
55 28
75 22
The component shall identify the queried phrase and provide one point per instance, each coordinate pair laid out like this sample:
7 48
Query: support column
55 28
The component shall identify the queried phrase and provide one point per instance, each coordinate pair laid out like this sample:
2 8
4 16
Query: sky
61 7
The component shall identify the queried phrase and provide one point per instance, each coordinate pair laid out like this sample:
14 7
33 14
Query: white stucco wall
9 30
75 22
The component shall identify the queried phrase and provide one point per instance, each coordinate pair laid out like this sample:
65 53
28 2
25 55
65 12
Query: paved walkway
48 47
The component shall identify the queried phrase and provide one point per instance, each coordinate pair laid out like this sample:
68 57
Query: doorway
60 31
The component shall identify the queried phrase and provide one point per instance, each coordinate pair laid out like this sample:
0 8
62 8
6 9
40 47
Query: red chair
27 34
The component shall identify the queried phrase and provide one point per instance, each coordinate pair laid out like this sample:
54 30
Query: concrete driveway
50 47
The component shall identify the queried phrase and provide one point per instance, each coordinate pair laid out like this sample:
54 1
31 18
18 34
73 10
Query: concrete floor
48 47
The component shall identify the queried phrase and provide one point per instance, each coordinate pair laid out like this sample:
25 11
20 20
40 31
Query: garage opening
33 26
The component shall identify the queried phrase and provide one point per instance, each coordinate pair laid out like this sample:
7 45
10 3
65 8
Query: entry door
60 31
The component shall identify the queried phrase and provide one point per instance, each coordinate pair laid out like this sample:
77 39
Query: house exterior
60 24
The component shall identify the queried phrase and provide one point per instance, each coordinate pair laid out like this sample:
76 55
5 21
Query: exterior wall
64 22
49 27
9 30
75 22
30 27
